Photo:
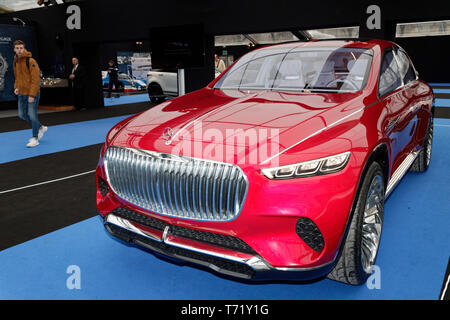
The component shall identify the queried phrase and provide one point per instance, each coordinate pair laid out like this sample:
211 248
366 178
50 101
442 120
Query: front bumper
244 264
269 225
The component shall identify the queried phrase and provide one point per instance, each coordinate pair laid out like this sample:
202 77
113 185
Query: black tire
423 159
155 93
349 268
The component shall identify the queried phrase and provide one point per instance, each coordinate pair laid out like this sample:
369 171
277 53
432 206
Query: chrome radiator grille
176 186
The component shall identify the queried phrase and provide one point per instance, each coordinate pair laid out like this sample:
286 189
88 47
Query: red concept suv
279 168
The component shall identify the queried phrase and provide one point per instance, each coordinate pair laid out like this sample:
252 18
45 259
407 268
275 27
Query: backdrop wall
104 21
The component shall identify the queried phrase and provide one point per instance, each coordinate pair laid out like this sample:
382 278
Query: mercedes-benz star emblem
167 134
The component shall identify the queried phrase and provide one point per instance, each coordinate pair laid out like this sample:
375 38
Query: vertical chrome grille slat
201 191
213 194
193 179
174 179
181 191
175 186
186 188
132 168
229 194
207 191
221 193
149 184
144 183
139 171
157 185
167 184
148 201
162 176
129 164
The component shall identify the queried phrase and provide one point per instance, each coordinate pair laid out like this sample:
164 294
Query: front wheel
361 244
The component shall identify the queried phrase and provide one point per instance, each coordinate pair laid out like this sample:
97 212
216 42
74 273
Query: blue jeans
28 112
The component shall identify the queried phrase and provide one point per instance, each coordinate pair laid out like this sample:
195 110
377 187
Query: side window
389 74
405 67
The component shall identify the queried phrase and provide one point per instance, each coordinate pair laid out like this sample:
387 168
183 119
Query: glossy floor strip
439 84
441 90
126 99
442 102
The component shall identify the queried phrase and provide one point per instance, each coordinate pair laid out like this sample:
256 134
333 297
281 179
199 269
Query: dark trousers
112 82
78 97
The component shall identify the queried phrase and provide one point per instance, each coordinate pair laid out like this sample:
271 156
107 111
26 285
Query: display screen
177 47
8 34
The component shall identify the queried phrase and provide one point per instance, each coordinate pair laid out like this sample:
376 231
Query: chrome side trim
401 171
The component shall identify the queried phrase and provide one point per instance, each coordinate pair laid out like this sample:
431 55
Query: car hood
209 118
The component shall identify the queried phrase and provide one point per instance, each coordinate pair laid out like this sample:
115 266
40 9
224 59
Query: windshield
315 69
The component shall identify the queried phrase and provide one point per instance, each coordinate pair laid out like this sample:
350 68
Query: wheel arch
380 154
154 84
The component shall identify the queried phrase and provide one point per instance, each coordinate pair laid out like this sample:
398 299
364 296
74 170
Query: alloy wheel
429 145
372 223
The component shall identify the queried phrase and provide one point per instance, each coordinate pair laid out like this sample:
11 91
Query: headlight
309 168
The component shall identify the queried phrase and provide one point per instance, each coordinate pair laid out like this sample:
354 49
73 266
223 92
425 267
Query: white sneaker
33 142
42 130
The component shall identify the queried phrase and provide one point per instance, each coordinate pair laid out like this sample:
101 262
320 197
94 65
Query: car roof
367 44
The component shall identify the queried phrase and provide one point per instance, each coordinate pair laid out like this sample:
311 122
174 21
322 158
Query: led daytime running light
309 168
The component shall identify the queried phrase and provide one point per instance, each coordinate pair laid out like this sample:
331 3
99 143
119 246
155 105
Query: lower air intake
310 234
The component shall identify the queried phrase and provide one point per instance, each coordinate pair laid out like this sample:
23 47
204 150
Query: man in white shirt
219 64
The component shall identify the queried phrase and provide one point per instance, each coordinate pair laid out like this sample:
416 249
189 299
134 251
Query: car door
421 100
410 97
391 92
168 81
172 83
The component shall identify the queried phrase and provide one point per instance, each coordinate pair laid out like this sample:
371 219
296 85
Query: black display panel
177 47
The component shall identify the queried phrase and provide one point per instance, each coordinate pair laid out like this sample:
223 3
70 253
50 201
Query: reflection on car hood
224 117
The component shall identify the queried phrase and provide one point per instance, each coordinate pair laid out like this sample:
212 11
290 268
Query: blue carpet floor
132 98
434 84
413 255
442 102
441 90
58 138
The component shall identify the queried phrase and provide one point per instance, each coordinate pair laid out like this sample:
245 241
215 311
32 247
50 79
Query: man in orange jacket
27 89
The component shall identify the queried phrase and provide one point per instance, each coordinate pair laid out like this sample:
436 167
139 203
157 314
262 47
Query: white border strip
47 182
445 289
